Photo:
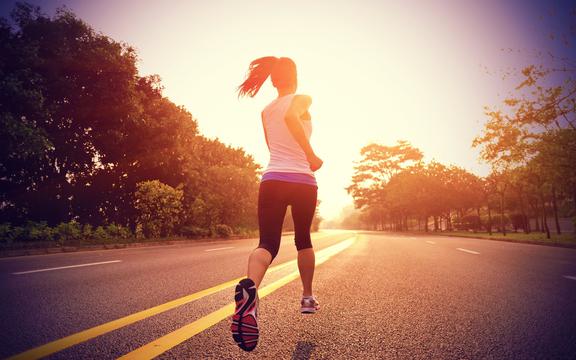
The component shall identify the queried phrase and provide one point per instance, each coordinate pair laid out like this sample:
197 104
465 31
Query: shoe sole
308 310
245 334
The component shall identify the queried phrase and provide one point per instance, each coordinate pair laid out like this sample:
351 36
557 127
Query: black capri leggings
274 196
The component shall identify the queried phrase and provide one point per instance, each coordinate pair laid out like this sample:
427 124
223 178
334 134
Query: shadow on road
303 350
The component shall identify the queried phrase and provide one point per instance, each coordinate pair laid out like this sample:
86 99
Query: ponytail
258 72
282 70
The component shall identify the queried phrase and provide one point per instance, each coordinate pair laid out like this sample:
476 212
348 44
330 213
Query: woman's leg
271 211
258 263
303 208
306 265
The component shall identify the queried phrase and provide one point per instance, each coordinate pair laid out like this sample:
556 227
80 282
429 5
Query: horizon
413 77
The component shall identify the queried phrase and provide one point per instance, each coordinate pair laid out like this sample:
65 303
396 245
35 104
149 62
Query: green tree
221 186
80 129
379 163
159 207
72 90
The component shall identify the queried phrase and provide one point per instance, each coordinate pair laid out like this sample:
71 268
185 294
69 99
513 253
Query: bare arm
265 134
298 108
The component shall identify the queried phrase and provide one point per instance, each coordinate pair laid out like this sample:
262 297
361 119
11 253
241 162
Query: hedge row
66 233
74 233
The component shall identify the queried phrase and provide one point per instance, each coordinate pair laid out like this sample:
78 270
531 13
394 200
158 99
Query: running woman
287 180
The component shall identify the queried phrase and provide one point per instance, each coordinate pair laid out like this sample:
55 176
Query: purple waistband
290 177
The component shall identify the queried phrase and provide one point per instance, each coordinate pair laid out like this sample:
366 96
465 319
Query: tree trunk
544 221
489 220
555 207
435 223
426 223
502 223
546 228
537 219
479 220
525 219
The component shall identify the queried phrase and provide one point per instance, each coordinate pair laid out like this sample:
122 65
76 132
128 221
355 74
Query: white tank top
286 155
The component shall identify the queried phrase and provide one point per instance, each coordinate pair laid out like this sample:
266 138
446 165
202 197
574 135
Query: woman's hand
315 162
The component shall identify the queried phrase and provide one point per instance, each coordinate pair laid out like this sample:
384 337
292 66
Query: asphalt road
383 296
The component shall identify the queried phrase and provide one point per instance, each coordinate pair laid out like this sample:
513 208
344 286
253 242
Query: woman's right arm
299 107
265 134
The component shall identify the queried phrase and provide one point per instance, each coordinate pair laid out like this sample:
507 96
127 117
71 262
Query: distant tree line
88 142
531 146
395 190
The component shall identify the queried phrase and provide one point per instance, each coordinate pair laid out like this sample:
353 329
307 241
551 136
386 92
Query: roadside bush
126 233
518 221
194 231
18 233
101 236
118 232
497 222
159 207
87 231
139 232
39 231
246 232
223 230
6 235
68 233
468 222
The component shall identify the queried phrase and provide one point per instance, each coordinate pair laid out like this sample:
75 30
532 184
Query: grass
534 237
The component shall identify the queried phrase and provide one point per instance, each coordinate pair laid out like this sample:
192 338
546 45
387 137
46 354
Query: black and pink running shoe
244 324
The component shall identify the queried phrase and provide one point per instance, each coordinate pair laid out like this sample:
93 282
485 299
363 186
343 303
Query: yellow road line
85 335
167 342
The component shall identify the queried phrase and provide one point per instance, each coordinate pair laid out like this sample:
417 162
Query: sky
378 71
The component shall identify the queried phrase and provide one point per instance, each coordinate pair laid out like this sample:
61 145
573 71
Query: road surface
383 296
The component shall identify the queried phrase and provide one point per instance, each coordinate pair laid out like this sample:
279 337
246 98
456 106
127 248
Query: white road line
430 242
222 248
469 251
65 267
570 277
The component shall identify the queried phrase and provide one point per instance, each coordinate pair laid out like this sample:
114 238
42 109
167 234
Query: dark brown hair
282 70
